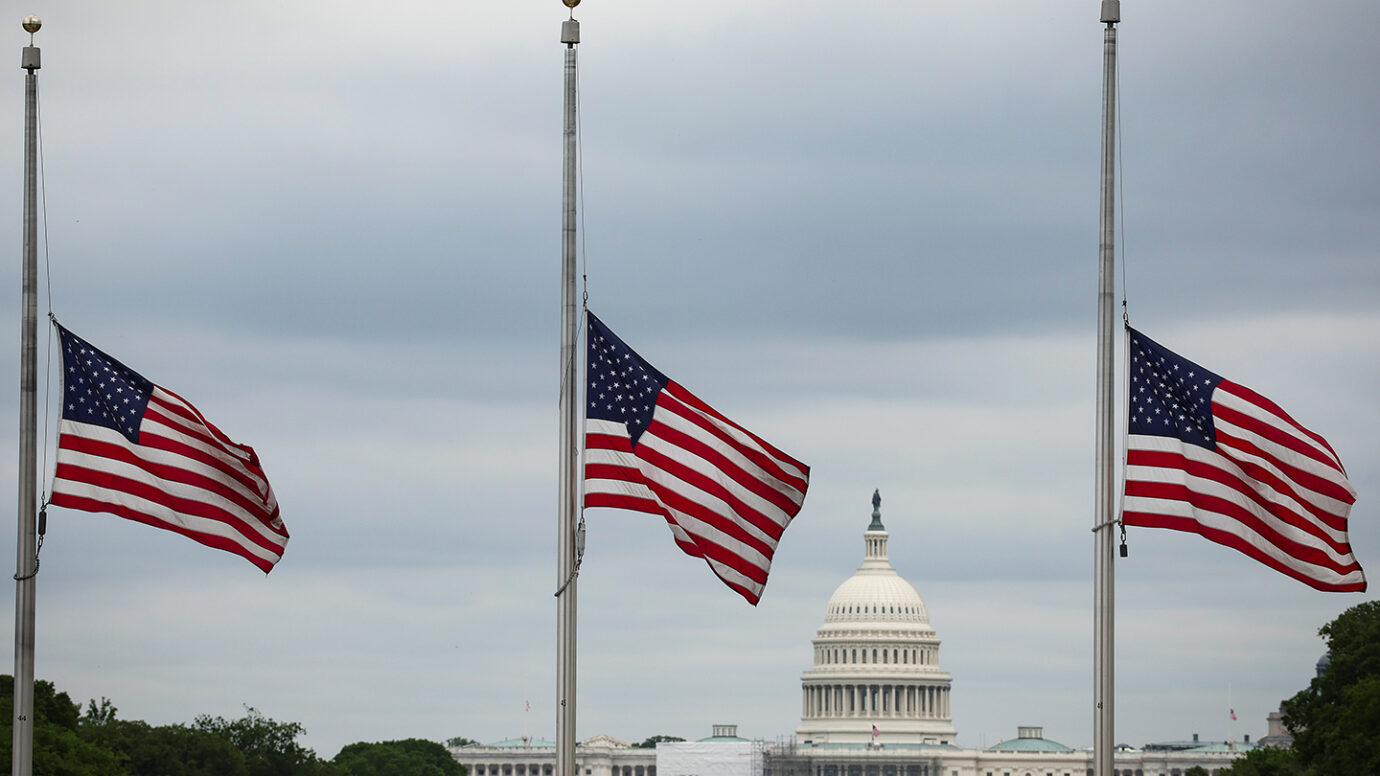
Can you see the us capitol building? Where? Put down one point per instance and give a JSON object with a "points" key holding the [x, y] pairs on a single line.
{"points": [[875, 703]]}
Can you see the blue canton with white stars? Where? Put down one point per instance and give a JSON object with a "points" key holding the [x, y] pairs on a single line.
{"points": [[1170, 395], [622, 387], [99, 390]]}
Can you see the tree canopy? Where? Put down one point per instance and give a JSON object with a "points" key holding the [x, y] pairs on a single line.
{"points": [[1335, 719], [269, 748], [651, 743], [59, 747], [70, 741], [410, 757], [1265, 761]]}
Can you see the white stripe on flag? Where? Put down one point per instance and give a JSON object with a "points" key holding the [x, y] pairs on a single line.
{"points": [[1171, 474]]}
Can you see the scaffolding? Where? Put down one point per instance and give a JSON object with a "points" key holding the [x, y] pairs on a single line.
{"points": [[787, 758]]}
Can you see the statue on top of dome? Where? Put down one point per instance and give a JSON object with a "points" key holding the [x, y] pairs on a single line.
{"points": [[876, 512]]}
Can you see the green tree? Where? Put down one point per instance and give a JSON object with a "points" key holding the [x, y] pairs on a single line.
{"points": [[410, 757], [460, 741], [169, 750], [1334, 720], [70, 742], [654, 740], [1266, 761], [58, 749], [269, 748]]}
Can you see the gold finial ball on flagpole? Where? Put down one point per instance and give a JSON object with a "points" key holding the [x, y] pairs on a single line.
{"points": [[570, 3], [32, 23]]}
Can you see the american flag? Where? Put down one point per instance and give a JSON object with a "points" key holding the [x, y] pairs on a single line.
{"points": [[652, 446], [133, 449], [1215, 458]]}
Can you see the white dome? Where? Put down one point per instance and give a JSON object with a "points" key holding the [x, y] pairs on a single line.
{"points": [[876, 595]]}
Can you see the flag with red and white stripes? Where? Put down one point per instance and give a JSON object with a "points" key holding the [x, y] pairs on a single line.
{"points": [[1215, 458], [133, 449], [652, 446]]}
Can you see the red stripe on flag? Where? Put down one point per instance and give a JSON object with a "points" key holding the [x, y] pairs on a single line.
{"points": [[1295, 484], [1224, 508], [678, 509], [617, 442], [245, 471], [727, 525], [765, 456], [1218, 505], [1188, 524], [610, 471], [186, 506], [764, 523], [1247, 394], [210, 540], [164, 471], [184, 409], [618, 501], [1272, 433]]}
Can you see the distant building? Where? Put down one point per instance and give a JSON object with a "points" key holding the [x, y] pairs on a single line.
{"points": [[722, 754], [596, 756], [876, 678], [1277, 736], [1193, 745], [874, 702]]}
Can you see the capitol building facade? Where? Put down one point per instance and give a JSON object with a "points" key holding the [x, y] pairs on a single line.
{"points": [[875, 702], [876, 676]]}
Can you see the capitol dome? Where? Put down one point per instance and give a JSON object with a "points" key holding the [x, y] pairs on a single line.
{"points": [[876, 597], [876, 676]]}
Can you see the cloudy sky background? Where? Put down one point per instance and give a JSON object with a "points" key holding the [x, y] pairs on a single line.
{"points": [[867, 231]]}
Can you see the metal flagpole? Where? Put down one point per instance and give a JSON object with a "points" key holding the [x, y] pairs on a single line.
{"points": [[568, 531], [1105, 519], [26, 563]]}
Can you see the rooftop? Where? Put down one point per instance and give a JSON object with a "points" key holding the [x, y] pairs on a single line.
{"points": [[1030, 738]]}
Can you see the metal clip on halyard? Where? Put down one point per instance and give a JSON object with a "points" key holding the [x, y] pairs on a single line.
{"points": [[38, 548], [579, 556]]}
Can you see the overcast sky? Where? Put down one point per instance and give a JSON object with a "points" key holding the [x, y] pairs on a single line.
{"points": [[867, 231]]}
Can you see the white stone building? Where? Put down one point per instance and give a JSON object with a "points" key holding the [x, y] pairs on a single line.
{"points": [[595, 756], [876, 676], [722, 754], [875, 702]]}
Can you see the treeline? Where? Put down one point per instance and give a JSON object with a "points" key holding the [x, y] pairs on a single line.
{"points": [[71, 741], [1335, 720]]}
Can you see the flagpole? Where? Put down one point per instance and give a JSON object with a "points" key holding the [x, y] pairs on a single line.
{"points": [[26, 563], [1231, 714], [568, 542], [1105, 518]]}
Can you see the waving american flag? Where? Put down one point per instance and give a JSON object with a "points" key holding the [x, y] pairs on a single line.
{"points": [[133, 449], [652, 446], [1215, 458]]}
